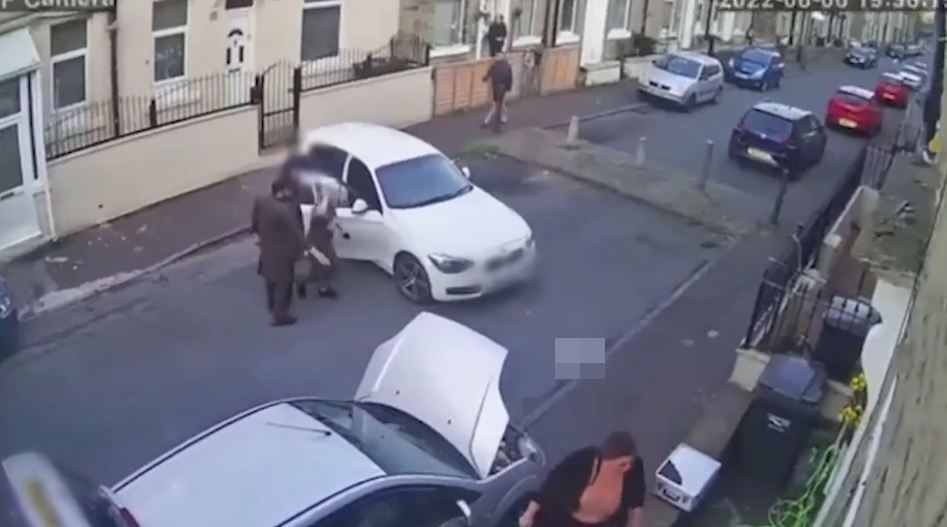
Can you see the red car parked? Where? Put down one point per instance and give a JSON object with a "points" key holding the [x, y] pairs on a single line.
{"points": [[891, 90], [854, 108]]}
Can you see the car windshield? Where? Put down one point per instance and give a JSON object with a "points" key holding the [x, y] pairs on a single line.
{"points": [[397, 442], [679, 65], [421, 181], [758, 56], [766, 123]]}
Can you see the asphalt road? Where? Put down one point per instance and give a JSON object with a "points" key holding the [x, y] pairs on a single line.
{"points": [[166, 358], [678, 139], [111, 383]]}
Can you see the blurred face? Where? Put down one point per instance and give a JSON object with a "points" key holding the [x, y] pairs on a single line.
{"points": [[619, 464]]}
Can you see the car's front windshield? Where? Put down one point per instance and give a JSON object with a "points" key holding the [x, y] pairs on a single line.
{"points": [[679, 65], [757, 56], [397, 442], [421, 181]]}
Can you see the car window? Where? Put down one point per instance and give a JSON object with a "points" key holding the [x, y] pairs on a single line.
{"points": [[421, 181], [849, 98], [401, 507], [326, 159], [397, 442], [359, 180], [710, 71], [679, 65], [758, 56], [766, 123]]}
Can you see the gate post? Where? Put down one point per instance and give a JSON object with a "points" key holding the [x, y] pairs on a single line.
{"points": [[261, 109], [297, 90]]}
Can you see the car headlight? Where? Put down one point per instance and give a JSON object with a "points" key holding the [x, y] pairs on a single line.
{"points": [[450, 264], [758, 74]]}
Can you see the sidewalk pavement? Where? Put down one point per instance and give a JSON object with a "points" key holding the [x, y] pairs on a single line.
{"points": [[115, 252]]}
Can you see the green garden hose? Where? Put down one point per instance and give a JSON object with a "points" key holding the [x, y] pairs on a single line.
{"points": [[801, 511]]}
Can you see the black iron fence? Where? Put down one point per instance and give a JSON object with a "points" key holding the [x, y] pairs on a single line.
{"points": [[803, 250], [276, 90], [403, 52], [102, 121]]}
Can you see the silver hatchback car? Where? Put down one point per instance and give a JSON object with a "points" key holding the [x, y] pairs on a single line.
{"points": [[426, 442]]}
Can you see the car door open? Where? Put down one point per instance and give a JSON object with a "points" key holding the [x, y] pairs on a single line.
{"points": [[362, 233]]}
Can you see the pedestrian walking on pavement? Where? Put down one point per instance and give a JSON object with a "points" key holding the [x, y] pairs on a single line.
{"points": [[281, 242], [500, 76], [322, 258], [601, 486], [496, 36]]}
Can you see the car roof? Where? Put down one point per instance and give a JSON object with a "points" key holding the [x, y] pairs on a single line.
{"points": [[373, 144], [695, 56], [782, 110], [857, 91], [260, 468], [764, 49]]}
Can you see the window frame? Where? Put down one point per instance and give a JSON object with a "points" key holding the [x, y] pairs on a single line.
{"points": [[318, 65], [379, 197], [624, 31], [167, 32], [457, 48], [568, 35], [531, 37], [65, 57]]}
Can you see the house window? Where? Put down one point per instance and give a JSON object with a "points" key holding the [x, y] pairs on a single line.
{"points": [[448, 22], [619, 14], [68, 49], [169, 27], [525, 25], [567, 14], [321, 22], [9, 97]]}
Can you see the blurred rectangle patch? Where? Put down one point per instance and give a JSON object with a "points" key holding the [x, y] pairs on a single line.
{"points": [[580, 358]]}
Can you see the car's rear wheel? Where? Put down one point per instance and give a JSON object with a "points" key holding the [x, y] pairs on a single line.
{"points": [[412, 279]]}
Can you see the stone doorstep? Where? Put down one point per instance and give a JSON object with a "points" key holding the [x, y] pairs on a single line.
{"points": [[656, 185]]}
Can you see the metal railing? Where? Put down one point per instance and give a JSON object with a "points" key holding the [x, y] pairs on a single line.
{"points": [[98, 122], [802, 252], [403, 52]]}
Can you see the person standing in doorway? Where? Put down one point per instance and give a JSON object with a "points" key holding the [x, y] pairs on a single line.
{"points": [[282, 243], [600, 486], [500, 76], [496, 36]]}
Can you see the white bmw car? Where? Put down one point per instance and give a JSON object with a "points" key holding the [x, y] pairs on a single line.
{"points": [[417, 215], [426, 442]]}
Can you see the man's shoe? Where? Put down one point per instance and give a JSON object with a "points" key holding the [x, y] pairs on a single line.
{"points": [[328, 292], [287, 320]]}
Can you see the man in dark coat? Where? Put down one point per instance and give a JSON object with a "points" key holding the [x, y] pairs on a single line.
{"points": [[496, 36], [500, 76], [282, 243], [322, 259]]}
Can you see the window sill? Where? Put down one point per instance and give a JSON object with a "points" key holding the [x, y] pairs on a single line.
{"points": [[529, 40], [449, 51], [567, 37], [618, 34]]}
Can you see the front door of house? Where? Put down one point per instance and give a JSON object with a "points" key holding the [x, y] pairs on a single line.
{"points": [[239, 53], [19, 220]]}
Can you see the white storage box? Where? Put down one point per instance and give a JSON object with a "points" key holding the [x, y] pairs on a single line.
{"points": [[685, 477]]}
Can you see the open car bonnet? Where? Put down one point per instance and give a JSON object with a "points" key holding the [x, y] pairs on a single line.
{"points": [[447, 376]]}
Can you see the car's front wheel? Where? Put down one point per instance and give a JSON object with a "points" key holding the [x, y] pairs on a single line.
{"points": [[717, 95], [690, 103], [412, 279]]}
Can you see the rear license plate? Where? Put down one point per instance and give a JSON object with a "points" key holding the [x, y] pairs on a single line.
{"points": [[759, 155], [847, 123]]}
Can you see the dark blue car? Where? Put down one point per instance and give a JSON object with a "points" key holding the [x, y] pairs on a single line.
{"points": [[9, 325], [758, 68]]}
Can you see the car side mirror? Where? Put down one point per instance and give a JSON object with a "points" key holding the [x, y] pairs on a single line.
{"points": [[359, 207], [466, 171]]}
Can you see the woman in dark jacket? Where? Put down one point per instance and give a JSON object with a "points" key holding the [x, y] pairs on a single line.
{"points": [[592, 487]]}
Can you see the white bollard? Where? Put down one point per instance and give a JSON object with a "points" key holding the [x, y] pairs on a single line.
{"points": [[573, 134], [639, 154]]}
